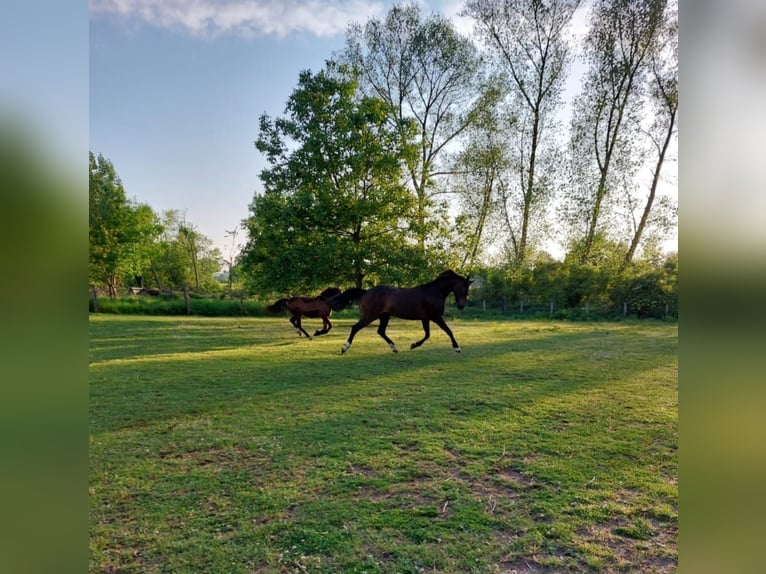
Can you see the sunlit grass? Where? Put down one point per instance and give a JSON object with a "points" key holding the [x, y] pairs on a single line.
{"points": [[232, 445]]}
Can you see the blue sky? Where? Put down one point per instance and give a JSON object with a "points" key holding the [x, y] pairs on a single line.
{"points": [[177, 87]]}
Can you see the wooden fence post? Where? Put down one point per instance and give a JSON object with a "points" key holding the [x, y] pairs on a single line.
{"points": [[94, 297], [187, 300]]}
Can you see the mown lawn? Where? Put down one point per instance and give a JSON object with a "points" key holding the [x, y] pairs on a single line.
{"points": [[231, 446]]}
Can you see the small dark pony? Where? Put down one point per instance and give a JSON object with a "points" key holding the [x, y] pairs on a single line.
{"points": [[312, 307], [424, 303]]}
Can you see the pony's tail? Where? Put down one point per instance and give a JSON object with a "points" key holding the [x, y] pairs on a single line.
{"points": [[277, 306], [346, 298]]}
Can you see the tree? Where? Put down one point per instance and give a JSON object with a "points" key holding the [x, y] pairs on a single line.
{"points": [[231, 259], [119, 232], [531, 53], [479, 177], [425, 71], [182, 257], [663, 96], [619, 45], [334, 207]]}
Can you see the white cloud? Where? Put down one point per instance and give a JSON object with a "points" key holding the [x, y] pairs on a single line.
{"points": [[463, 24], [247, 17]]}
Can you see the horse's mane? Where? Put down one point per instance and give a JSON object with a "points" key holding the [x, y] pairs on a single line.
{"points": [[448, 274], [330, 292]]}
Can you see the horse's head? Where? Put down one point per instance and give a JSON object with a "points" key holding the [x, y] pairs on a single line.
{"points": [[461, 290]]}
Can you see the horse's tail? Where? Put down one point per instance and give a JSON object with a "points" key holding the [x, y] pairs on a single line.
{"points": [[277, 306], [346, 298]]}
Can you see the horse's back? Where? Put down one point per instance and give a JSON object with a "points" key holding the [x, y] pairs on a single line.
{"points": [[311, 307], [401, 302]]}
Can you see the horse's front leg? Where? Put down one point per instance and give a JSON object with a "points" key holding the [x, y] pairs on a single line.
{"points": [[440, 321], [427, 330], [361, 324]]}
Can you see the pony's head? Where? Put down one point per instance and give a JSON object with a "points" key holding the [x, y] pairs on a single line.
{"points": [[330, 292]]}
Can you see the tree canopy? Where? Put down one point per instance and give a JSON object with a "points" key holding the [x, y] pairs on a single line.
{"points": [[334, 207]]}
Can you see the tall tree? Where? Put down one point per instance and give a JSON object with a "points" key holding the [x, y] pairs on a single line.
{"points": [[663, 98], [528, 39], [119, 230], [619, 45], [334, 207], [182, 257], [479, 177], [425, 71]]}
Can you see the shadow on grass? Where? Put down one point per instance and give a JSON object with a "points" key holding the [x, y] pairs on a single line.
{"points": [[200, 377]]}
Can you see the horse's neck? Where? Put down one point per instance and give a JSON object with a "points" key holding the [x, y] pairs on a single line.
{"points": [[445, 287]]}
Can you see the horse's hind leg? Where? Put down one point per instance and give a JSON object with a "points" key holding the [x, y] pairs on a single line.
{"points": [[440, 321], [427, 329], [299, 327], [326, 327], [384, 318]]}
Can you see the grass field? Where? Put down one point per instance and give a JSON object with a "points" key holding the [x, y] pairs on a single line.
{"points": [[231, 446]]}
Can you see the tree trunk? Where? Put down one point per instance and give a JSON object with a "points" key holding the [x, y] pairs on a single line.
{"points": [[187, 301], [652, 193], [94, 297]]}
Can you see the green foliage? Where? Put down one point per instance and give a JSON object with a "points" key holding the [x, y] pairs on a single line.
{"points": [[120, 232], [334, 210], [130, 246], [175, 304], [580, 291]]}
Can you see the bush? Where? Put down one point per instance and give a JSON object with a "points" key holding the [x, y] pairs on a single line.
{"points": [[175, 304]]}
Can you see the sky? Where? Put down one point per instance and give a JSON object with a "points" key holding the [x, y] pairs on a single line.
{"points": [[177, 87]]}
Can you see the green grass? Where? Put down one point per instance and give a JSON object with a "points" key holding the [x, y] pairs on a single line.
{"points": [[231, 445]]}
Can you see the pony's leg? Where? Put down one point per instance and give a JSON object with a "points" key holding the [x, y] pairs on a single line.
{"points": [[361, 324], [440, 321], [295, 324], [384, 318], [300, 328], [427, 329], [326, 327]]}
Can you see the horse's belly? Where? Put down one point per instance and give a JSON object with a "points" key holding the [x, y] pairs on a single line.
{"points": [[407, 314], [313, 314]]}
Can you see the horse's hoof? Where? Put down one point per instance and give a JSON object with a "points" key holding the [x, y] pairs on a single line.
{"points": [[457, 350]]}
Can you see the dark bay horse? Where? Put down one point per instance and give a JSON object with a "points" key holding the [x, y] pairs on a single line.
{"points": [[424, 303], [313, 307]]}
